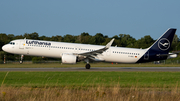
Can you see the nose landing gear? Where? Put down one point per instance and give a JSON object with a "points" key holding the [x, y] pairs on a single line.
{"points": [[21, 61]]}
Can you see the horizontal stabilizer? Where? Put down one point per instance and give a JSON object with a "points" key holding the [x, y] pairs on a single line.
{"points": [[170, 54], [176, 52]]}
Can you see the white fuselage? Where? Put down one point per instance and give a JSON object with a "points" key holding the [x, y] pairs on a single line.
{"points": [[73, 52], [56, 49]]}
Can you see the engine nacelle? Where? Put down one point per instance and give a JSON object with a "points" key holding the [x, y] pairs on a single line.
{"points": [[69, 58]]}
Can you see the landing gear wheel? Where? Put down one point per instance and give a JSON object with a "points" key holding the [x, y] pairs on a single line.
{"points": [[21, 62], [88, 66]]}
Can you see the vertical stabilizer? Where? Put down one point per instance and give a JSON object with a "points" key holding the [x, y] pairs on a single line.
{"points": [[160, 49], [163, 44]]}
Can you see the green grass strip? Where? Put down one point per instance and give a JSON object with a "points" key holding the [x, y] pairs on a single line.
{"points": [[84, 79]]}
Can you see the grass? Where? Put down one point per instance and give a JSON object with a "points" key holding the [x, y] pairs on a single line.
{"points": [[58, 65], [90, 86], [100, 93], [91, 79]]}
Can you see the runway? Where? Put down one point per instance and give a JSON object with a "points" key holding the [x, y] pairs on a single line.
{"points": [[128, 69]]}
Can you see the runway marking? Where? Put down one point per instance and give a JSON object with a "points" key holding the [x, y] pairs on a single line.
{"points": [[4, 78]]}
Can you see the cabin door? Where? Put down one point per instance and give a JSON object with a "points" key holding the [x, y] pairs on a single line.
{"points": [[22, 44]]}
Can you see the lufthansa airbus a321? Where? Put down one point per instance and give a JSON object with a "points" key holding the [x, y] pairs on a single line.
{"points": [[72, 52]]}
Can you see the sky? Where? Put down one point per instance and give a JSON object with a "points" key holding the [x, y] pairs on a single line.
{"points": [[109, 17]]}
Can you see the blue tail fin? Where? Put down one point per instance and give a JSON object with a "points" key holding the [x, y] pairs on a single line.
{"points": [[163, 44], [160, 49]]}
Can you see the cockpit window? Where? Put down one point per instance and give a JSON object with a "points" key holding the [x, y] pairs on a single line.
{"points": [[12, 43]]}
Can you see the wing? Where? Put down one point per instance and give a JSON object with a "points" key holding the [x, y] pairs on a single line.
{"points": [[92, 54]]}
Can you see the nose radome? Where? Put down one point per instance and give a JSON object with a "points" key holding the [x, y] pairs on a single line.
{"points": [[4, 48]]}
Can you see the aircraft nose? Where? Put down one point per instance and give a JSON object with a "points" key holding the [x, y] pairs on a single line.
{"points": [[4, 48]]}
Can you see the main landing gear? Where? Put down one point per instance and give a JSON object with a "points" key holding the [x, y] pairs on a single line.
{"points": [[88, 66], [21, 61]]}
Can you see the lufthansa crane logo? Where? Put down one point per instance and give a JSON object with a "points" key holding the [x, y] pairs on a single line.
{"points": [[164, 44]]}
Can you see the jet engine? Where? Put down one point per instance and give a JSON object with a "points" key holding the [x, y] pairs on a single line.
{"points": [[69, 58]]}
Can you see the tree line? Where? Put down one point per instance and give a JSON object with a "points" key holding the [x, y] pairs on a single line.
{"points": [[121, 40]]}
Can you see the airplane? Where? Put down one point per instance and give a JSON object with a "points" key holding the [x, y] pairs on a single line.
{"points": [[71, 53]]}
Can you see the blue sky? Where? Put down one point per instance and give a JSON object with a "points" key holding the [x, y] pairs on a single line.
{"points": [[109, 17]]}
